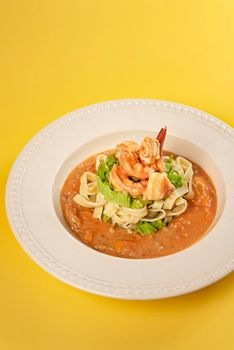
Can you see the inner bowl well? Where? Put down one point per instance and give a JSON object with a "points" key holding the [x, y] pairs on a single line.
{"points": [[174, 144]]}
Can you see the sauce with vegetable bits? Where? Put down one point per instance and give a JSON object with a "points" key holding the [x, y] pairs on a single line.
{"points": [[182, 232]]}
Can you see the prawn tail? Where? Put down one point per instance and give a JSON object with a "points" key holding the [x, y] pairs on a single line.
{"points": [[161, 138]]}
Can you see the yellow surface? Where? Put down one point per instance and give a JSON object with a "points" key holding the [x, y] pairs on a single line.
{"points": [[60, 55]]}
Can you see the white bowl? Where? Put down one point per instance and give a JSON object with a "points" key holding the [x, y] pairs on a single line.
{"points": [[32, 198]]}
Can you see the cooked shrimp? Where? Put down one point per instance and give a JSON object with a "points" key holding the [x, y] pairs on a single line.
{"points": [[149, 151], [132, 166], [127, 146], [121, 182], [158, 187], [141, 161]]}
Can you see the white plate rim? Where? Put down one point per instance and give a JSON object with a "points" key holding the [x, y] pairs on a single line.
{"points": [[84, 282]]}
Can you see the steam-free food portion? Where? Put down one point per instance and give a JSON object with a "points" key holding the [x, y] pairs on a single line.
{"points": [[136, 201]]}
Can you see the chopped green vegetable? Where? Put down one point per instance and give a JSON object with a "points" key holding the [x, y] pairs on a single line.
{"points": [[105, 218], [168, 163], [121, 198], [146, 228], [110, 161], [138, 203], [168, 166], [159, 224], [105, 167], [103, 172], [175, 178]]}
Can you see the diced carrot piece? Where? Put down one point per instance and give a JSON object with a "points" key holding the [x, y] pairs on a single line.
{"points": [[88, 236], [118, 245]]}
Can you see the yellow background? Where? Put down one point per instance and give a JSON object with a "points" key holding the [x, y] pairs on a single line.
{"points": [[60, 55]]}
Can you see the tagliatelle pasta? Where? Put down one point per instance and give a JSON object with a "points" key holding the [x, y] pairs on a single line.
{"points": [[100, 158], [172, 206]]}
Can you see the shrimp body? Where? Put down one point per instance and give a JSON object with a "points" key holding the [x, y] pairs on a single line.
{"points": [[121, 182], [158, 187], [132, 166], [127, 146], [149, 151]]}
